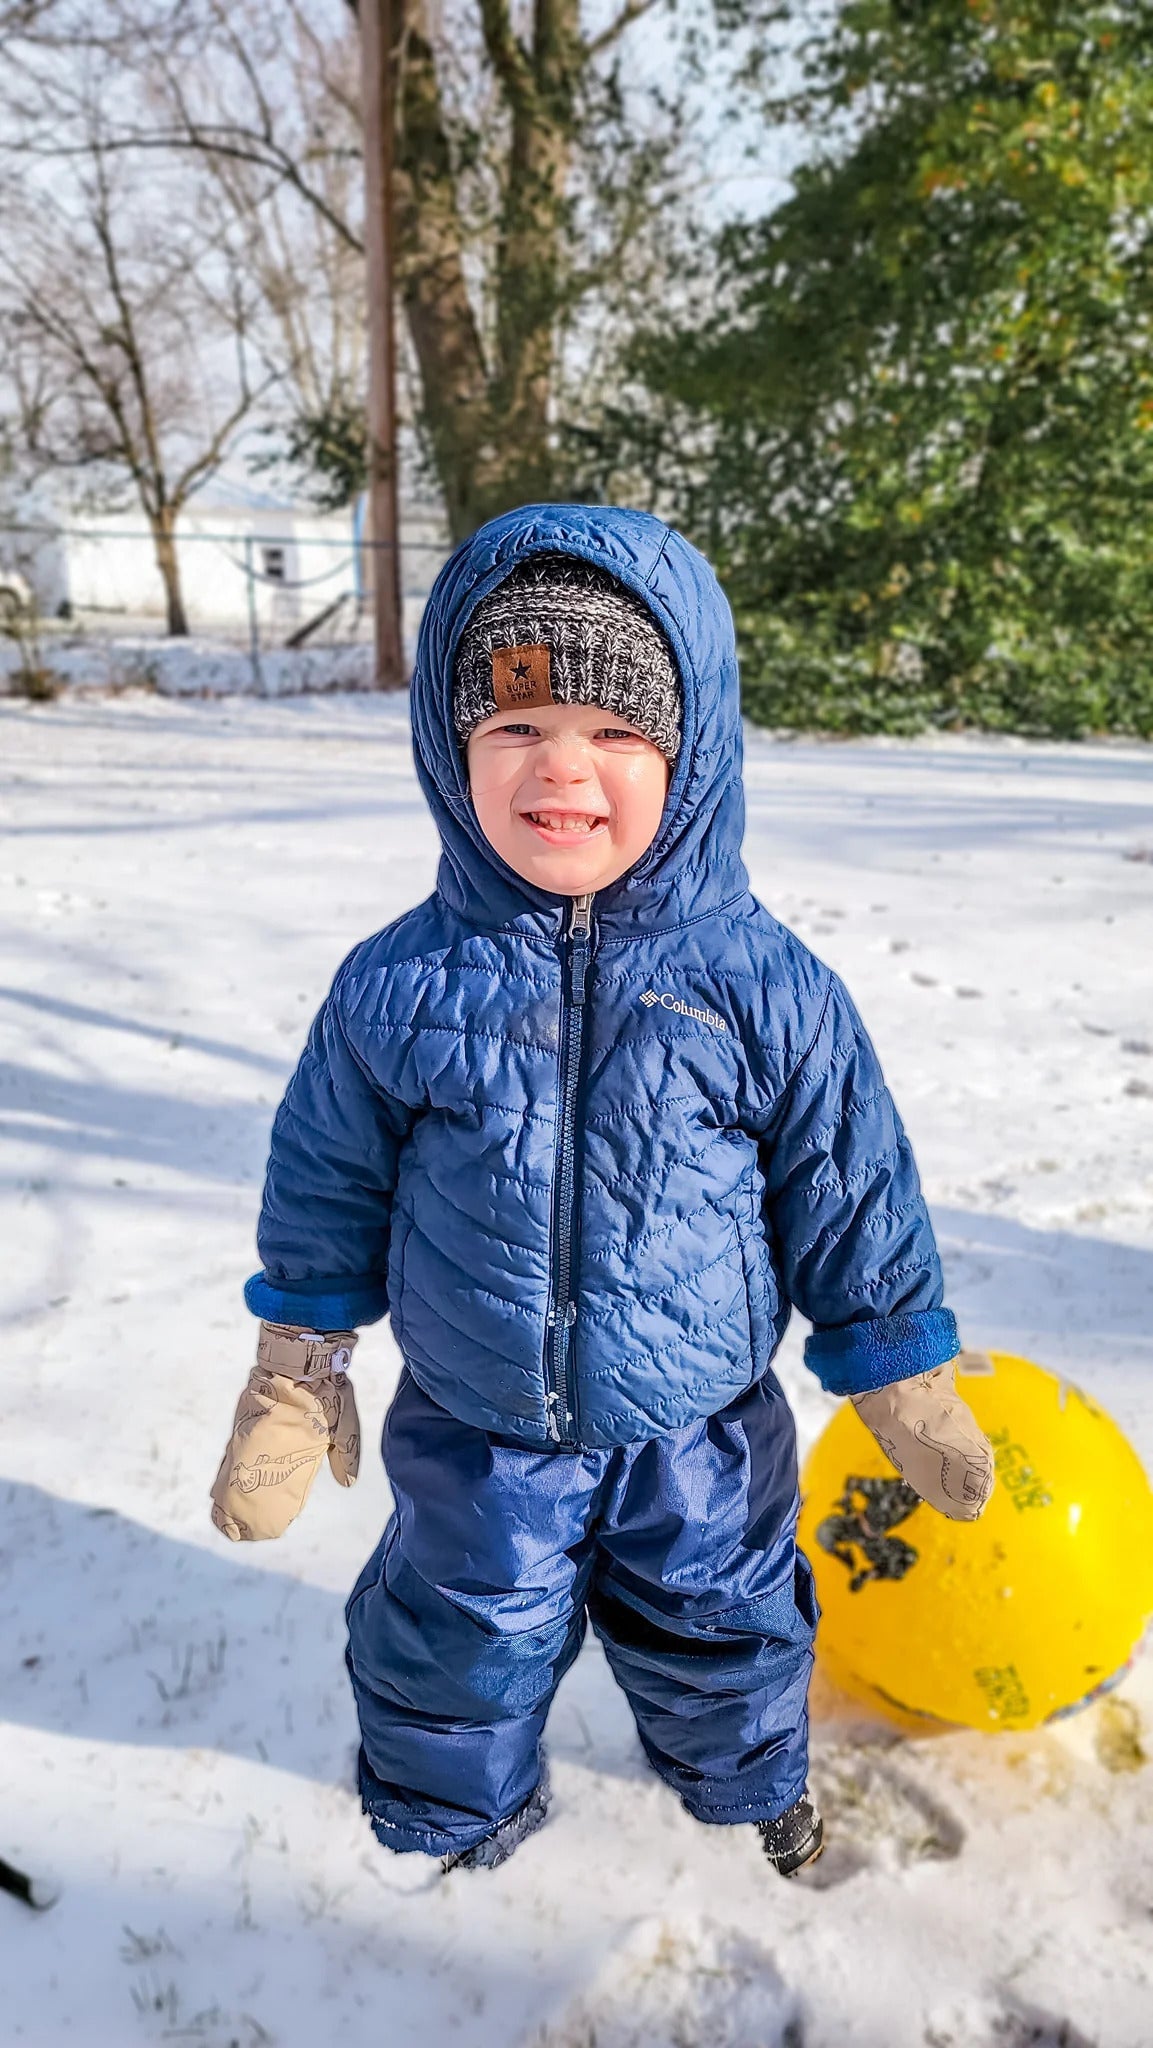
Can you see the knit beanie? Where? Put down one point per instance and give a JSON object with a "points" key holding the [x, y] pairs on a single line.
{"points": [[562, 631]]}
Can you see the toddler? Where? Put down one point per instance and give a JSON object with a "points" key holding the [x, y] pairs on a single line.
{"points": [[586, 1124]]}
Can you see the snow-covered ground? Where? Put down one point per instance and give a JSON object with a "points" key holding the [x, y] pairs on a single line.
{"points": [[178, 882], [184, 667]]}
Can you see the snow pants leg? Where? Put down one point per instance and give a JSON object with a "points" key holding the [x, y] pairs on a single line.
{"points": [[681, 1550]]}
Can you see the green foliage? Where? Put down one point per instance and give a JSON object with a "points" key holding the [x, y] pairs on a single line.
{"points": [[923, 415], [326, 452]]}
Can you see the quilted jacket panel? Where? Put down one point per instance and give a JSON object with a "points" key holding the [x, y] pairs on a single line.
{"points": [[735, 1148]]}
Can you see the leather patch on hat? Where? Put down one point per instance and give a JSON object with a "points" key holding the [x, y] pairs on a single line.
{"points": [[520, 677]]}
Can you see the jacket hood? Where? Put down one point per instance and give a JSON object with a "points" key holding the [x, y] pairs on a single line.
{"points": [[694, 863]]}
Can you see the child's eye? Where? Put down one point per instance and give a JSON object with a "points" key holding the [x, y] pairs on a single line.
{"points": [[520, 730], [619, 732]]}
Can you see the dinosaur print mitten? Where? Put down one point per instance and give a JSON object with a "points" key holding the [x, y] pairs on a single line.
{"points": [[929, 1433], [297, 1408]]}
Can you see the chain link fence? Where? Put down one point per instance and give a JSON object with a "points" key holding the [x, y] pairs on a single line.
{"points": [[276, 607]]}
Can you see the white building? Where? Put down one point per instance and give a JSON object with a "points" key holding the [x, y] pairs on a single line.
{"points": [[247, 559]]}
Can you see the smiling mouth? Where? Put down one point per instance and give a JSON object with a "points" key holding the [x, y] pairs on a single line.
{"points": [[575, 824]]}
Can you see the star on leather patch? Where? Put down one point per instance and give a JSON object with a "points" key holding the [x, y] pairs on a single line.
{"points": [[520, 677]]}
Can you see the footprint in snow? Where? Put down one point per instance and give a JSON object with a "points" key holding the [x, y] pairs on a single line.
{"points": [[1007, 2022], [875, 1818], [1118, 1739], [681, 1980]]}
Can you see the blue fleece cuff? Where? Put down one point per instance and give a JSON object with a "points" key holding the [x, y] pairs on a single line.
{"points": [[862, 1356], [340, 1304]]}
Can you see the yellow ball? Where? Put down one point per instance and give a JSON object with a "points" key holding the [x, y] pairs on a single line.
{"points": [[1002, 1623]]}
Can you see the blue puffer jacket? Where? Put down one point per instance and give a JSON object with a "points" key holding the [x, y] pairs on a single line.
{"points": [[589, 1177]]}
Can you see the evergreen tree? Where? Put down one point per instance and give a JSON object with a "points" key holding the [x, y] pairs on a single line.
{"points": [[922, 419]]}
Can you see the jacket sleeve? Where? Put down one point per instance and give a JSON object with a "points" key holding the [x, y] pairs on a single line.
{"points": [[324, 1224], [844, 1207]]}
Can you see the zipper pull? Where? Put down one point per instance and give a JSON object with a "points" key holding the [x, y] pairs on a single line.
{"points": [[580, 932]]}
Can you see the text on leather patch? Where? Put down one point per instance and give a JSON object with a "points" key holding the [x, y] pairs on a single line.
{"points": [[520, 677]]}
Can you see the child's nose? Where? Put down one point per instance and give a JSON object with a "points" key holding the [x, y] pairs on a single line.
{"points": [[564, 758]]}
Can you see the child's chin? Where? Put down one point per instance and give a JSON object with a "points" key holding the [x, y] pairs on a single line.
{"points": [[571, 874]]}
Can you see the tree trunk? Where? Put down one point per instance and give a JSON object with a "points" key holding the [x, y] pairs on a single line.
{"points": [[488, 426], [378, 25], [529, 254], [163, 524], [438, 310]]}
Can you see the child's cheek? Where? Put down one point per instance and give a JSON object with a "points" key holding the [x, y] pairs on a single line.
{"points": [[640, 798]]}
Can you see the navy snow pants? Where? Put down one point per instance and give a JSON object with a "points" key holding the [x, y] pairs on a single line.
{"points": [[681, 1552]]}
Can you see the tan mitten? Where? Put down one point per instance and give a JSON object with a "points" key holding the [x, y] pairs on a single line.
{"points": [[931, 1436], [297, 1408]]}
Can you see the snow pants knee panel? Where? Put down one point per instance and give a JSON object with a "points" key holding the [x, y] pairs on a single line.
{"points": [[473, 1607]]}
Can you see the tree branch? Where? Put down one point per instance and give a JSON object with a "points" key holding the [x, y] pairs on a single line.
{"points": [[630, 12], [240, 144], [204, 464], [506, 53]]}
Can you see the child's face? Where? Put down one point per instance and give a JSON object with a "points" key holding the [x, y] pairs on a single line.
{"points": [[568, 794]]}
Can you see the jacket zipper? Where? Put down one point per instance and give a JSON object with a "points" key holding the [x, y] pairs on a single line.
{"points": [[559, 1407]]}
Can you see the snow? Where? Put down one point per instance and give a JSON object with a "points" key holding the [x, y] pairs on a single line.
{"points": [[189, 667], [179, 881]]}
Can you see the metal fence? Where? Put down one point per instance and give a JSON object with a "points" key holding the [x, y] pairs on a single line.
{"points": [[282, 588]]}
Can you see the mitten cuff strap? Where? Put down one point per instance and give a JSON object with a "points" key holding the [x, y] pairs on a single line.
{"points": [[302, 1354]]}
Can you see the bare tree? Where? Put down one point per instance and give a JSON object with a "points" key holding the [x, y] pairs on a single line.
{"points": [[529, 183], [126, 313], [295, 204], [23, 17], [532, 186]]}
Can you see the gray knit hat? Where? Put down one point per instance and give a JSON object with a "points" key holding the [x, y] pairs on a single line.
{"points": [[562, 631]]}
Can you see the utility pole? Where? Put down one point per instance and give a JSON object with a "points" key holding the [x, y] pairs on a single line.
{"points": [[378, 41]]}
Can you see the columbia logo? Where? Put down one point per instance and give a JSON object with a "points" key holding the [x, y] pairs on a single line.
{"points": [[683, 1009]]}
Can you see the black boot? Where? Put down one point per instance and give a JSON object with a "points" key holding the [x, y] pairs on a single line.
{"points": [[793, 1840], [496, 1848]]}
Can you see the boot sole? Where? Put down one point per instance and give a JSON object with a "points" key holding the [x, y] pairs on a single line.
{"points": [[804, 1857]]}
